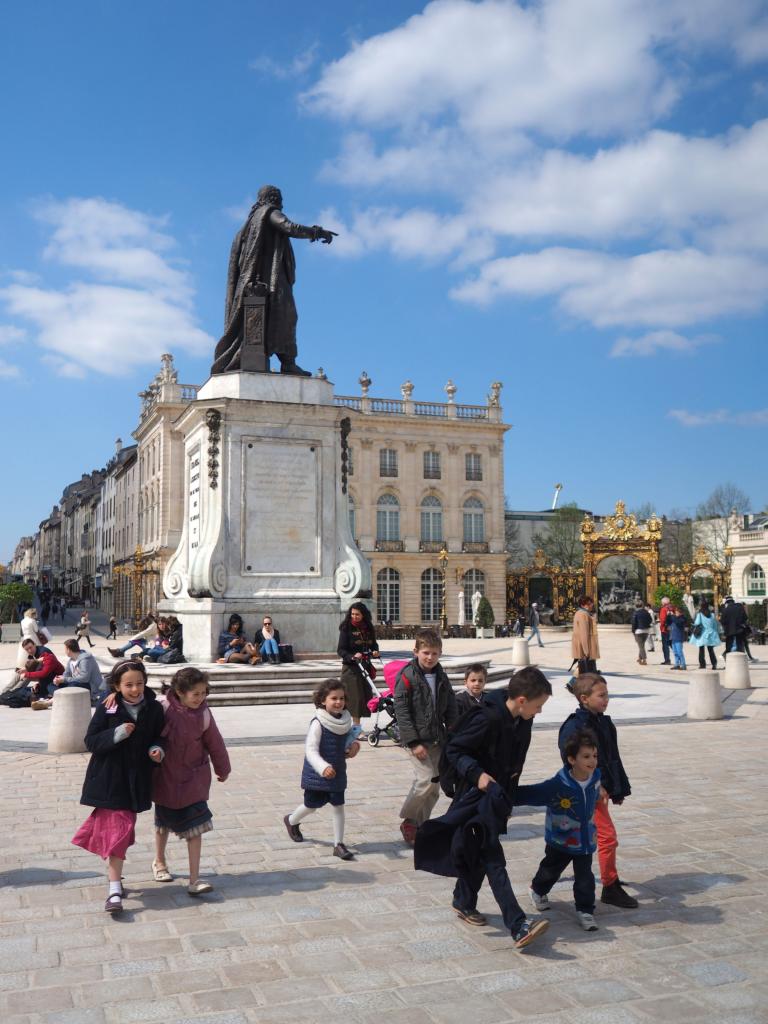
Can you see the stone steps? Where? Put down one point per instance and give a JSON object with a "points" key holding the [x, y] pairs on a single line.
{"points": [[233, 685]]}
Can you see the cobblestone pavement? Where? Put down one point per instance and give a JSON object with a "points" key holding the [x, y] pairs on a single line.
{"points": [[290, 934]]}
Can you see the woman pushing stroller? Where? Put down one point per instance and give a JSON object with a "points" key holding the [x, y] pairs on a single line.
{"points": [[357, 644]]}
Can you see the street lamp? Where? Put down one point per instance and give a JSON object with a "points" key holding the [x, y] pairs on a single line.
{"points": [[443, 557]]}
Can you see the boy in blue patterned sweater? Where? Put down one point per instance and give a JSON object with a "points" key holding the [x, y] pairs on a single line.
{"points": [[570, 798]]}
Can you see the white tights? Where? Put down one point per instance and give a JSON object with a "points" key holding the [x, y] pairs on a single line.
{"points": [[303, 812]]}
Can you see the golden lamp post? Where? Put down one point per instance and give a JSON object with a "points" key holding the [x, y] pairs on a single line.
{"points": [[443, 557]]}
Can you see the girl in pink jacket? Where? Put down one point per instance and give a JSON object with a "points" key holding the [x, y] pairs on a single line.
{"points": [[181, 786]]}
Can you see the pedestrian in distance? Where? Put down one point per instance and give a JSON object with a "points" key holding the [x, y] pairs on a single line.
{"points": [[650, 644], [591, 692], [584, 646], [570, 798], [484, 756], [125, 742], [666, 643], [112, 634], [641, 625], [677, 625], [705, 634], [83, 628], [182, 784], [425, 709], [734, 622], [357, 645], [331, 741], [534, 620]]}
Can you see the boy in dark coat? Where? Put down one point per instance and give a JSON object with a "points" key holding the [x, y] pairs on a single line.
{"points": [[486, 754], [591, 691], [425, 708]]}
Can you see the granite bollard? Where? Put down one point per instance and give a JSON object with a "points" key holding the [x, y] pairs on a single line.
{"points": [[704, 696], [737, 672], [70, 718], [520, 652]]}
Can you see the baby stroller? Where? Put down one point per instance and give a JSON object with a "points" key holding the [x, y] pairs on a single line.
{"points": [[383, 702]]}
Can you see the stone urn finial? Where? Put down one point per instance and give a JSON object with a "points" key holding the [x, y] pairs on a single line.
{"points": [[493, 398], [365, 383], [450, 390], [406, 390], [321, 374]]}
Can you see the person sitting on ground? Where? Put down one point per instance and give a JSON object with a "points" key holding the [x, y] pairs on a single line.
{"points": [[41, 678], [475, 678], [81, 670], [147, 632], [268, 641], [170, 650], [233, 647]]}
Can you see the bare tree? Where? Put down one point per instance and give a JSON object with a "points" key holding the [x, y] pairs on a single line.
{"points": [[561, 543], [715, 510], [644, 511], [515, 549], [676, 538]]}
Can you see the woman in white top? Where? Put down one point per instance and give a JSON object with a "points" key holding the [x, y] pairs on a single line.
{"points": [[84, 628], [30, 630]]}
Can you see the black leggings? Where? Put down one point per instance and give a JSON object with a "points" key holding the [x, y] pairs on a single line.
{"points": [[712, 657]]}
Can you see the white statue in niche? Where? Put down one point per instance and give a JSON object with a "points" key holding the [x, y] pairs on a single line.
{"points": [[461, 616], [476, 598]]}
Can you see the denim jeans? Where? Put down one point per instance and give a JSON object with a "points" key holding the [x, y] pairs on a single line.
{"points": [[142, 644], [552, 866], [535, 632], [677, 647], [269, 647]]}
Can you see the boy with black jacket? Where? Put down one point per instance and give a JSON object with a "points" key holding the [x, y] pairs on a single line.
{"points": [[591, 691], [487, 754], [425, 708]]}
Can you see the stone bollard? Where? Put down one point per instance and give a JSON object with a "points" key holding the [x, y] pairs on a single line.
{"points": [[70, 718], [520, 652], [704, 696], [737, 672]]}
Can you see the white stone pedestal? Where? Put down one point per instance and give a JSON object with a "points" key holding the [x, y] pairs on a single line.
{"points": [[704, 697], [70, 718], [521, 654], [266, 525], [737, 672]]}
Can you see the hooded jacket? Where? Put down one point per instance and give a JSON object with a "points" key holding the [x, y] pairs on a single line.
{"points": [[570, 809]]}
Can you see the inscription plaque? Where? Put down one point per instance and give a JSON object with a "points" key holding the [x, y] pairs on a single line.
{"points": [[281, 513], [193, 526]]}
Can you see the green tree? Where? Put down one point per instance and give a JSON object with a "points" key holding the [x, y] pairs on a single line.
{"points": [[485, 616], [561, 543], [11, 595], [673, 592]]}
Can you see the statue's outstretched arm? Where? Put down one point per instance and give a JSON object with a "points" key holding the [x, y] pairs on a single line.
{"points": [[282, 223]]}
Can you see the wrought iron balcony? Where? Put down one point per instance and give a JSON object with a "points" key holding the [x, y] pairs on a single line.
{"points": [[389, 545], [431, 545], [475, 547]]}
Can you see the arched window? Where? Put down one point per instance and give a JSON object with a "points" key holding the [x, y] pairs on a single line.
{"points": [[352, 515], [431, 595], [474, 580], [474, 520], [755, 581], [388, 595], [388, 518], [431, 519]]}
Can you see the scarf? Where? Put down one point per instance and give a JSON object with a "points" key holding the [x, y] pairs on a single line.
{"points": [[340, 725]]}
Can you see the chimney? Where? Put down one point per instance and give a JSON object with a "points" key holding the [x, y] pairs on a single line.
{"points": [[118, 445]]}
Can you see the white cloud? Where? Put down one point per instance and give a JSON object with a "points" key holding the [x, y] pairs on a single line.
{"points": [[7, 370], [661, 288], [294, 68], [554, 67], [720, 417], [412, 234], [138, 306], [653, 342], [11, 335]]}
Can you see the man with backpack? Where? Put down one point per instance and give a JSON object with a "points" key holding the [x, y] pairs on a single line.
{"points": [[483, 758]]}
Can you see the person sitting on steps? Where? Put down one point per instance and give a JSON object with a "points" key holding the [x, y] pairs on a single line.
{"points": [[268, 641], [233, 647]]}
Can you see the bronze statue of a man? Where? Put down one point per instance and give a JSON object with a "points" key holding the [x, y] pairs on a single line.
{"points": [[262, 257]]}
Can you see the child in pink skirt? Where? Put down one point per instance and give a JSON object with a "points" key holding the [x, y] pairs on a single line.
{"points": [[181, 787], [125, 745]]}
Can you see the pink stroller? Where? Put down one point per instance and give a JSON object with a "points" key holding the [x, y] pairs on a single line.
{"points": [[383, 703]]}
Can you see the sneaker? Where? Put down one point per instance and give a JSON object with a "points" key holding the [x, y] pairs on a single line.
{"points": [[408, 831], [342, 852], [471, 917], [539, 902], [586, 921], [528, 931], [616, 896], [41, 705], [293, 830]]}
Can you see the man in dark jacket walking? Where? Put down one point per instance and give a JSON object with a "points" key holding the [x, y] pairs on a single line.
{"points": [[425, 708], [734, 621]]}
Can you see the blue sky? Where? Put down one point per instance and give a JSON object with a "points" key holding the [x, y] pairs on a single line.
{"points": [[568, 197]]}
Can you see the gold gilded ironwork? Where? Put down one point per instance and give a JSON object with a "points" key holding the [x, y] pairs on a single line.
{"points": [[567, 586], [621, 534]]}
